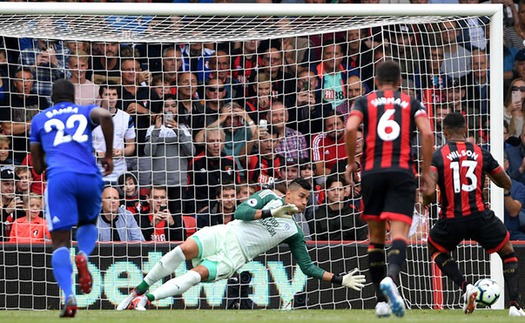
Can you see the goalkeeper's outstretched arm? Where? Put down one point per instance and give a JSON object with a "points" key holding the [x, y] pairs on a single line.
{"points": [[302, 258], [252, 209]]}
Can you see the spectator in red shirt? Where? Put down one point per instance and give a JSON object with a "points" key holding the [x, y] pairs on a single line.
{"points": [[221, 211], [23, 183], [38, 184], [328, 147], [208, 170], [31, 228], [12, 206], [265, 167], [160, 224], [132, 196]]}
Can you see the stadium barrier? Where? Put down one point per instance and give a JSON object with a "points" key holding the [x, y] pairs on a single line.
{"points": [[26, 278]]}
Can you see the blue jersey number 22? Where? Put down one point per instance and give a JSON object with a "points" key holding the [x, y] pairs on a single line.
{"points": [[76, 120]]}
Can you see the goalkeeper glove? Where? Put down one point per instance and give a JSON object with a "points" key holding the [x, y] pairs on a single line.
{"points": [[350, 280], [285, 211]]}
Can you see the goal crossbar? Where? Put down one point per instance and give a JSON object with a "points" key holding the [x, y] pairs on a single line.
{"points": [[229, 22]]}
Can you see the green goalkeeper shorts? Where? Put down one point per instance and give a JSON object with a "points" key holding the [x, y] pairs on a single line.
{"points": [[219, 252]]}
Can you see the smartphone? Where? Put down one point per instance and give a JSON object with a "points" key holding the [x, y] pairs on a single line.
{"points": [[516, 96], [163, 207], [263, 125], [168, 116]]}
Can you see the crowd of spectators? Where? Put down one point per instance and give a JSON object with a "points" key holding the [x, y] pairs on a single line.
{"points": [[201, 126]]}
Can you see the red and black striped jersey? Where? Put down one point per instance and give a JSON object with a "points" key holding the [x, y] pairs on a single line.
{"points": [[389, 126], [264, 171], [206, 175], [461, 167]]}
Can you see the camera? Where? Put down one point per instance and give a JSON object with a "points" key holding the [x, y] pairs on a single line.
{"points": [[245, 277], [163, 207], [237, 295], [300, 300]]}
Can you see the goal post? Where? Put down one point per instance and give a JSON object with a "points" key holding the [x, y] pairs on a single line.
{"points": [[147, 30]]}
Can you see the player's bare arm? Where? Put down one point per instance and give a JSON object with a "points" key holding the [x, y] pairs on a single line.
{"points": [[105, 120], [427, 147], [429, 194], [352, 125], [501, 179], [37, 157]]}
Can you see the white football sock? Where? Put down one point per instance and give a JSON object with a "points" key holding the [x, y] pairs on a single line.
{"points": [[166, 266], [178, 285]]}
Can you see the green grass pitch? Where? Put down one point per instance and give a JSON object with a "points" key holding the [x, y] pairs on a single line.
{"points": [[273, 316]]}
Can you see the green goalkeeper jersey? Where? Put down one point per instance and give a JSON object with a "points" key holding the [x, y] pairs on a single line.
{"points": [[258, 236]]}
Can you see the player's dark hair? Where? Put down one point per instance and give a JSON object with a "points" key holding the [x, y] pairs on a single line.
{"points": [[168, 48], [335, 113], [243, 183], [109, 86], [454, 121], [273, 131], [63, 91], [226, 186], [280, 186], [304, 163], [158, 187], [388, 72], [301, 182], [334, 178], [184, 73], [169, 96], [22, 70]]}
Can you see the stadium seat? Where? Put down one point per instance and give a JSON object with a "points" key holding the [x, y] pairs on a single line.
{"points": [[190, 223]]}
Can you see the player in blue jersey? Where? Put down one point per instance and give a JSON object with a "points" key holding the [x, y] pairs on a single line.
{"points": [[61, 143]]}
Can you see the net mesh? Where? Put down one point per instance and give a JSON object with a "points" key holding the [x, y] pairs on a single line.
{"points": [[152, 29], [312, 65]]}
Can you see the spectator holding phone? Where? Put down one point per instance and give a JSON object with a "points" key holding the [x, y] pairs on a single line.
{"points": [[170, 145], [258, 102], [309, 110], [513, 106], [241, 132], [160, 224], [12, 206]]}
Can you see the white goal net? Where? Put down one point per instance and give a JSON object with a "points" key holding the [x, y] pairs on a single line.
{"points": [[221, 101]]}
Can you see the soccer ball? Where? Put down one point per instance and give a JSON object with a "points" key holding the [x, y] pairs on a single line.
{"points": [[489, 291]]}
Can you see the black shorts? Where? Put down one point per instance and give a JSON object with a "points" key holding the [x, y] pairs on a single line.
{"points": [[484, 228], [388, 196]]}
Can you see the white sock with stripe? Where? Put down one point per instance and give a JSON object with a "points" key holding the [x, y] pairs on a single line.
{"points": [[178, 285], [166, 266]]}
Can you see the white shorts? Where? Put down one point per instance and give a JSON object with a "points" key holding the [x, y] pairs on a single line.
{"points": [[219, 252]]}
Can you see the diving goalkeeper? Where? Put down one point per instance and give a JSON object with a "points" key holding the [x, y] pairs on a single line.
{"points": [[261, 222]]}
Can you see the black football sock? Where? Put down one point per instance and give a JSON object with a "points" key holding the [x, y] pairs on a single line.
{"points": [[510, 273], [450, 268], [376, 263], [396, 258]]}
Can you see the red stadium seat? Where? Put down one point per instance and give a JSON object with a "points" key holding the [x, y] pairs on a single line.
{"points": [[190, 224]]}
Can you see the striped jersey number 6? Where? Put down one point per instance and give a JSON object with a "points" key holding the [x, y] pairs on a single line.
{"points": [[471, 166], [388, 129], [78, 120]]}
